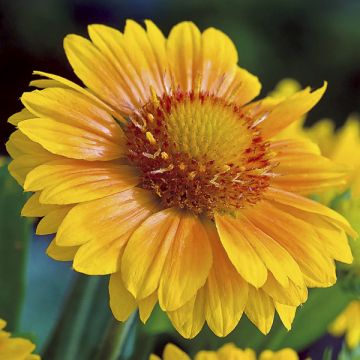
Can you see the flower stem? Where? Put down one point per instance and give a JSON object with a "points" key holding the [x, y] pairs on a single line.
{"points": [[118, 339], [67, 337]]}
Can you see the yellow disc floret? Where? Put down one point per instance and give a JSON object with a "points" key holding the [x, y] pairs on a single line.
{"points": [[198, 152]]}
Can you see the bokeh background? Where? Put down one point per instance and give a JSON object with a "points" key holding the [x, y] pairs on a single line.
{"points": [[310, 41]]}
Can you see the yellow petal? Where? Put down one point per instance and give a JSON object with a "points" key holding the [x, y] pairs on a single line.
{"points": [[332, 238], [300, 240], [189, 319], [303, 170], [289, 110], [95, 70], [218, 61], [122, 303], [154, 236], [50, 223], [184, 54], [69, 84], [187, 265], [24, 114], [33, 207], [146, 306], [283, 354], [239, 250], [243, 87], [70, 181], [310, 206], [73, 108], [103, 227], [70, 141], [286, 314], [225, 300], [278, 261], [291, 295], [172, 352], [61, 253], [260, 309]]}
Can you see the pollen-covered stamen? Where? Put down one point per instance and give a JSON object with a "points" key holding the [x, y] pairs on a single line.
{"points": [[198, 152]]}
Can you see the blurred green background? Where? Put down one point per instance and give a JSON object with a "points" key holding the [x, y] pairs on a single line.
{"points": [[310, 41]]}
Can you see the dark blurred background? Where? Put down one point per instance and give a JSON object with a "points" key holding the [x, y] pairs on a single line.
{"points": [[311, 41]]}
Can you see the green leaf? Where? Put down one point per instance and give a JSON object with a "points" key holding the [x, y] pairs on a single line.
{"points": [[312, 319], [14, 236]]}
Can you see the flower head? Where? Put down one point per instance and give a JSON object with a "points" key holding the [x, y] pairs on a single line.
{"points": [[161, 173], [228, 351], [348, 324], [15, 348]]}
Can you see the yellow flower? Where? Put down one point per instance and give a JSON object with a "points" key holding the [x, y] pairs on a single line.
{"points": [[341, 146], [348, 323], [161, 173], [15, 348], [226, 352]]}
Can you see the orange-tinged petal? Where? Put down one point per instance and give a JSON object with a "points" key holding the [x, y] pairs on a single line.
{"points": [[187, 265], [260, 309], [61, 253], [316, 265], [278, 261], [189, 319], [154, 237], [332, 238], [310, 206], [70, 181], [289, 110], [103, 227], [301, 169], [122, 303], [243, 256], [70, 141], [225, 299]]}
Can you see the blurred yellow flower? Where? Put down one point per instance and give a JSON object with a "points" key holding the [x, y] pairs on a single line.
{"points": [[161, 173], [226, 352], [15, 348], [348, 323]]}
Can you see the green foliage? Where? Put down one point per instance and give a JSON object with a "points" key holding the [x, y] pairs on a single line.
{"points": [[14, 234]]}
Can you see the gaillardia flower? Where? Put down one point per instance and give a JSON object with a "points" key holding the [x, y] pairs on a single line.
{"points": [[15, 348], [226, 352], [162, 173]]}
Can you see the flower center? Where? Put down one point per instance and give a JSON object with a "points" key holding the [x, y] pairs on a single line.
{"points": [[198, 152]]}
